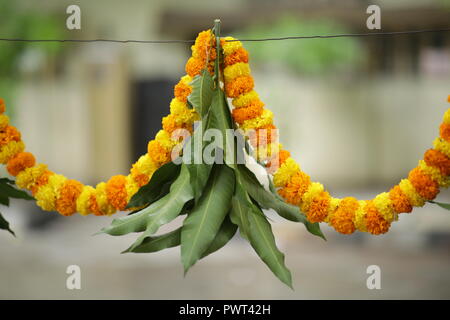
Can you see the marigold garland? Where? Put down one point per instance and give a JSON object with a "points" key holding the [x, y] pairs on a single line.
{"points": [[54, 192], [346, 215]]}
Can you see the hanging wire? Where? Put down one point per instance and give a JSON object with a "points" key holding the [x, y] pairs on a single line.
{"points": [[344, 35]]}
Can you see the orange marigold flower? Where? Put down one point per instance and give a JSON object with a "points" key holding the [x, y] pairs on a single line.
{"points": [[444, 131], [437, 159], [94, 207], [203, 46], [342, 220], [116, 192], [9, 134], [66, 204], [318, 209], [182, 91], [41, 181], [448, 98], [264, 135], [158, 153], [239, 85], [399, 200], [240, 55], [375, 223], [295, 188], [252, 111], [423, 183], [194, 66], [20, 162], [140, 178], [277, 160], [2, 106]]}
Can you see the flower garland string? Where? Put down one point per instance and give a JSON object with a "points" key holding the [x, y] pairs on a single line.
{"points": [[54, 192], [295, 186]]}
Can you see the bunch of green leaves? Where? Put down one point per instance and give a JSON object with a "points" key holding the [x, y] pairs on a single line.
{"points": [[7, 192], [217, 199]]}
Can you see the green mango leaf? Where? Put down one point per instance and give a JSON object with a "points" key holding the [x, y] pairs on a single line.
{"points": [[165, 209], [225, 234], [158, 243], [4, 200], [153, 189], [8, 190], [239, 209], [269, 200], [180, 193], [4, 225], [202, 92], [442, 204], [199, 172], [203, 223], [220, 113], [263, 241]]}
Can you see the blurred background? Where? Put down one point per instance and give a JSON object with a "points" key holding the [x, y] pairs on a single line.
{"points": [[357, 113]]}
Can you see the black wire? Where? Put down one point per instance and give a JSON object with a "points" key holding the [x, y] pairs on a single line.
{"points": [[345, 35], [96, 40], [369, 34]]}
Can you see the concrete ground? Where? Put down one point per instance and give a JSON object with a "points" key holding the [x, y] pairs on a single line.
{"points": [[33, 265]]}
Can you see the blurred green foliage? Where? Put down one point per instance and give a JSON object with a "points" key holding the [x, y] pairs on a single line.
{"points": [[19, 21], [307, 56]]}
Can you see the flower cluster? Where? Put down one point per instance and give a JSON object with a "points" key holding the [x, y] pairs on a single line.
{"points": [[54, 192], [295, 186]]}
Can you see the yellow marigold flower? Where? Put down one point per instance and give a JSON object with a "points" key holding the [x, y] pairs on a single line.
{"points": [[229, 47], [236, 70], [435, 174], [10, 150], [384, 206], [285, 172], [47, 195], [165, 140], [408, 189], [334, 203], [360, 217], [131, 186], [263, 153], [143, 169], [27, 178], [186, 79], [245, 99], [101, 197], [314, 190], [178, 107], [446, 118], [264, 120], [442, 146], [83, 200], [4, 121]]}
